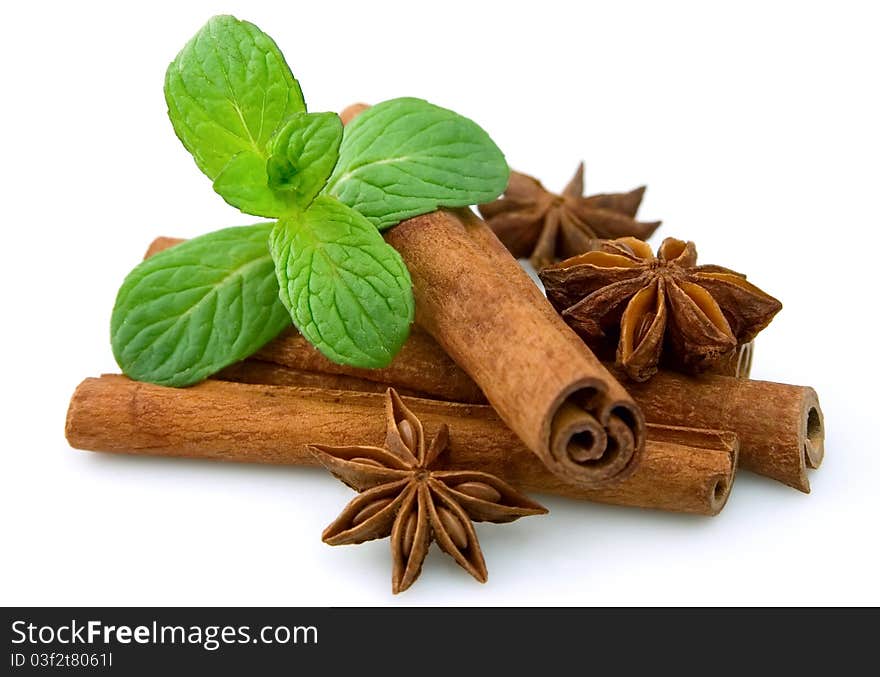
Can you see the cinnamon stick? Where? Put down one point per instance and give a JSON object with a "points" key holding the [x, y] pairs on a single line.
{"points": [[481, 307], [780, 427], [683, 470], [421, 362], [258, 371]]}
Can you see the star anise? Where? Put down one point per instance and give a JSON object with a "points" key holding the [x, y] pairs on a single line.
{"points": [[649, 304], [531, 221], [402, 495]]}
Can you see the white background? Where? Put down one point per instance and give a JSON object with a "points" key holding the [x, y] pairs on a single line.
{"points": [[755, 128]]}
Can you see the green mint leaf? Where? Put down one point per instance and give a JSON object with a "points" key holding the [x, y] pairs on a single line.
{"points": [[304, 153], [347, 290], [228, 91], [406, 157], [191, 310], [244, 183]]}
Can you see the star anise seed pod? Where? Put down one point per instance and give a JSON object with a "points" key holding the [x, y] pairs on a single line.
{"points": [[531, 221], [402, 495], [651, 304]]}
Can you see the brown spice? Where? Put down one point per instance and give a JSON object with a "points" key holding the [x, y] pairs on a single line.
{"points": [[683, 470], [531, 221], [694, 315], [254, 370], [352, 111], [403, 495], [489, 317], [419, 360], [780, 427]]}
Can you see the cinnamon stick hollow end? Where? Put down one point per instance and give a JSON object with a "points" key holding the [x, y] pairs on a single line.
{"points": [[802, 449], [813, 430], [594, 438], [706, 479]]}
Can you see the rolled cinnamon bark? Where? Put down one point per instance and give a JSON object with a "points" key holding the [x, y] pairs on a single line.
{"points": [[542, 380], [268, 373], [780, 427], [352, 111], [260, 372], [420, 361], [683, 470], [162, 243]]}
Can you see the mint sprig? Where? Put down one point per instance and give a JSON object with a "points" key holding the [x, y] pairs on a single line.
{"points": [[228, 92], [196, 308]]}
